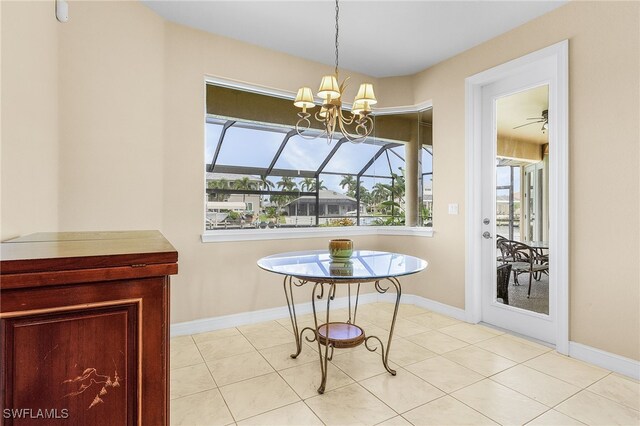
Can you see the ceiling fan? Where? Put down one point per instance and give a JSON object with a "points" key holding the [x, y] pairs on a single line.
{"points": [[544, 120]]}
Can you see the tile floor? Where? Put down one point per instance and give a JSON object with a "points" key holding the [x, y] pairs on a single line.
{"points": [[449, 373]]}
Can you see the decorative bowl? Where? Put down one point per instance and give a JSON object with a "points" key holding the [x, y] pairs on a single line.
{"points": [[340, 249], [341, 268]]}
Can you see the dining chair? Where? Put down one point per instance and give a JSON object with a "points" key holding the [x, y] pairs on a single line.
{"points": [[502, 282], [522, 258]]}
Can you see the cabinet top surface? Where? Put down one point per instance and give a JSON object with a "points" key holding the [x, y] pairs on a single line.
{"points": [[47, 251]]}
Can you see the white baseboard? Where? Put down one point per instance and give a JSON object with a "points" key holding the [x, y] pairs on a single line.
{"points": [[422, 302], [227, 321], [252, 317], [613, 362], [610, 361]]}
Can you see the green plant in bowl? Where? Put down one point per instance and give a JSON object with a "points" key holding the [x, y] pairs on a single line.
{"points": [[340, 249]]}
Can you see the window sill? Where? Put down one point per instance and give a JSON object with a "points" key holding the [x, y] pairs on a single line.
{"points": [[287, 234]]}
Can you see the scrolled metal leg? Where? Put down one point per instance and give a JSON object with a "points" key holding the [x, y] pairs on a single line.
{"points": [[382, 349], [288, 292], [385, 350], [328, 347], [398, 287], [355, 308]]}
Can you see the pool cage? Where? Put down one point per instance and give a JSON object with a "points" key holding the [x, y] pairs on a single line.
{"points": [[286, 180], [261, 173]]}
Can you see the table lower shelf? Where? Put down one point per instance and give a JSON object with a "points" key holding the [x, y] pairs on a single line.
{"points": [[341, 335]]}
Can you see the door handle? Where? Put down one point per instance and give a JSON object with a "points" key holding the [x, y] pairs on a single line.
{"points": [[486, 234]]}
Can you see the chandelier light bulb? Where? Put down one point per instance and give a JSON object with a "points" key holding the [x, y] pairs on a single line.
{"points": [[329, 88], [304, 99], [365, 93]]}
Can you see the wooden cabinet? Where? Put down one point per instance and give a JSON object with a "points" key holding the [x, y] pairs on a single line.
{"points": [[84, 323]]}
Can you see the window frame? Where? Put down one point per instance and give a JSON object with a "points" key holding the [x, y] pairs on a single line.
{"points": [[266, 234]]}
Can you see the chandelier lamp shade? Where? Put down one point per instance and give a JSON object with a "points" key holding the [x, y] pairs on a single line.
{"points": [[331, 116]]}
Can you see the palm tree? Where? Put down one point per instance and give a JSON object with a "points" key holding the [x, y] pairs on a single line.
{"points": [[219, 184], [321, 186], [243, 184], [307, 184], [380, 193], [287, 184], [365, 196], [349, 182], [266, 183]]}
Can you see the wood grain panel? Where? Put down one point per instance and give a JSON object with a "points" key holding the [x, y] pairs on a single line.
{"points": [[82, 361], [77, 308]]}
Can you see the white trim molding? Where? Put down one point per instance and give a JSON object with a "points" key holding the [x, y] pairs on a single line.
{"points": [[235, 320], [608, 360], [284, 94], [252, 317], [600, 358], [294, 233], [558, 55]]}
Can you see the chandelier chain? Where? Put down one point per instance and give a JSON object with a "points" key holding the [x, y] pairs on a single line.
{"points": [[337, 31]]}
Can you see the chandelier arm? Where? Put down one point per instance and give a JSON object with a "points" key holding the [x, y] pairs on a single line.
{"points": [[303, 125], [345, 120], [362, 131]]}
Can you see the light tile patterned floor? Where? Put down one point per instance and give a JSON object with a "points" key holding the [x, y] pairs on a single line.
{"points": [[449, 373]]}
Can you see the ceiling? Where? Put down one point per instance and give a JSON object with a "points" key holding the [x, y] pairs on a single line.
{"points": [[377, 38], [514, 110]]}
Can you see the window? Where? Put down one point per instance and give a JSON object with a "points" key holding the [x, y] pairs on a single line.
{"points": [[508, 174], [261, 174]]}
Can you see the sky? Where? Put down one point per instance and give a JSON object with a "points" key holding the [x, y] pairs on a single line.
{"points": [[256, 148]]}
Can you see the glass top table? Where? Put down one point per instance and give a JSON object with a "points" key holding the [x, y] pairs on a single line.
{"points": [[324, 275], [363, 266]]}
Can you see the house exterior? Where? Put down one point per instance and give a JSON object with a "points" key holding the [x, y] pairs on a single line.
{"points": [[331, 203], [251, 201]]}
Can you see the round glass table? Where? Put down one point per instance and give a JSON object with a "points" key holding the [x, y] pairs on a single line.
{"points": [[325, 274]]}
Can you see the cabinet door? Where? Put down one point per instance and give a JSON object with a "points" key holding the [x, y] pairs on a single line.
{"points": [[75, 367]]}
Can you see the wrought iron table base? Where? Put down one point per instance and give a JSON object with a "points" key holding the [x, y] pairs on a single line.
{"points": [[326, 339]]}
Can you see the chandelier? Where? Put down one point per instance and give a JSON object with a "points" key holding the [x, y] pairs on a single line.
{"points": [[331, 116]]}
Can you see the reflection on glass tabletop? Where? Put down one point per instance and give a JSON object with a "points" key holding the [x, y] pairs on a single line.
{"points": [[363, 264]]}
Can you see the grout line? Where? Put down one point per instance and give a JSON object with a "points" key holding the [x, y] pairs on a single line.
{"points": [[378, 398], [422, 405], [274, 409], [558, 378], [604, 396], [531, 398], [477, 411], [539, 415], [282, 378], [404, 370], [214, 380], [192, 394]]}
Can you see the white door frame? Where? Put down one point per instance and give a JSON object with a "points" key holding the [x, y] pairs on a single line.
{"points": [[558, 183]]}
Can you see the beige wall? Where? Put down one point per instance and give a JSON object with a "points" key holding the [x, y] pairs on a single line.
{"points": [[111, 63], [129, 90], [604, 70], [29, 135]]}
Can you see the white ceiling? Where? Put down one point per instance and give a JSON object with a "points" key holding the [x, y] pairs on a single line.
{"points": [[377, 38], [522, 108]]}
